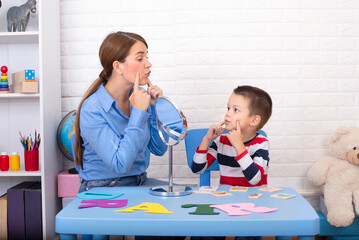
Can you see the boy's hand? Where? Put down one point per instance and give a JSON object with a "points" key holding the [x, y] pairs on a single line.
{"points": [[236, 139], [139, 98], [215, 130]]}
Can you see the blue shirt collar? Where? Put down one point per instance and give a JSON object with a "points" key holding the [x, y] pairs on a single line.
{"points": [[104, 97]]}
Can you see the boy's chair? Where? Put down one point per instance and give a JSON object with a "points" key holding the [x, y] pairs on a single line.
{"points": [[192, 141]]}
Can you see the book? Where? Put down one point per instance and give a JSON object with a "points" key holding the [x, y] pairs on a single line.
{"points": [[16, 210], [33, 212], [3, 217]]}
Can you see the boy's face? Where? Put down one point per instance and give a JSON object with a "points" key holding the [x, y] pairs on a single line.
{"points": [[237, 110]]}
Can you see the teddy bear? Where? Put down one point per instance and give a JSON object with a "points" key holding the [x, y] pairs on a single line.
{"points": [[338, 175]]}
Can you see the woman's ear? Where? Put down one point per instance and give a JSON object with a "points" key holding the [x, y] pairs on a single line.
{"points": [[256, 119], [117, 67]]}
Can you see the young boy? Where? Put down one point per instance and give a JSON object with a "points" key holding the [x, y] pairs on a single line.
{"points": [[242, 153]]}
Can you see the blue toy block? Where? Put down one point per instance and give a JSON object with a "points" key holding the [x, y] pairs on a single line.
{"points": [[29, 74]]}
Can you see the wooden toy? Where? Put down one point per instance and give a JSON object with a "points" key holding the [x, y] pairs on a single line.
{"points": [[4, 69], [4, 85], [24, 81]]}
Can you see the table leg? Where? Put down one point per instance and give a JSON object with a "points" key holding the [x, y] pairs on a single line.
{"points": [[68, 237], [306, 237], [283, 238], [94, 237], [100, 237]]}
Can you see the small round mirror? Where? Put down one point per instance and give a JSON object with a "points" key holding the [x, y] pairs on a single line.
{"points": [[172, 128], [171, 123]]}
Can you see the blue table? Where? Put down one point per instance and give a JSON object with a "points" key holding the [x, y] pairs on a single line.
{"points": [[294, 217]]}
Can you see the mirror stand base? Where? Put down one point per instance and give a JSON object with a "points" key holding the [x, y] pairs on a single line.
{"points": [[163, 191]]}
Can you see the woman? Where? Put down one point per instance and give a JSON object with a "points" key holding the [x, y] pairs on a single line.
{"points": [[115, 121]]}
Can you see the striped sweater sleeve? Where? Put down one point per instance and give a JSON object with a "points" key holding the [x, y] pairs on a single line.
{"points": [[203, 159], [255, 166]]}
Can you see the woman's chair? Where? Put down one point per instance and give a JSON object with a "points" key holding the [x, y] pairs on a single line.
{"points": [[192, 141]]}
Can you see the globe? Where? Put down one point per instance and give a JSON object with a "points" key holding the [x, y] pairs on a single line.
{"points": [[65, 130]]}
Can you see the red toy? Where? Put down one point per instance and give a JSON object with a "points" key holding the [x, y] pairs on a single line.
{"points": [[4, 69], [4, 85]]}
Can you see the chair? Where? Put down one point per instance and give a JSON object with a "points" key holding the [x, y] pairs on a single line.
{"points": [[192, 141]]}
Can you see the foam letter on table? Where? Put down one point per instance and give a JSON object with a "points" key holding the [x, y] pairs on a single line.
{"points": [[147, 207], [97, 195], [236, 209], [231, 210], [104, 203], [202, 209], [251, 207]]}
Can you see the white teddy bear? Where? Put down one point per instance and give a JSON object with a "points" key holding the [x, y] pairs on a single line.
{"points": [[339, 175]]}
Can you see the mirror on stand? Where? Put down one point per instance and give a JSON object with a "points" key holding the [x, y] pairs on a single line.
{"points": [[172, 128]]}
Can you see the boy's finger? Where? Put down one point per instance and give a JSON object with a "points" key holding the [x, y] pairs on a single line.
{"points": [[137, 82], [221, 123], [238, 126]]}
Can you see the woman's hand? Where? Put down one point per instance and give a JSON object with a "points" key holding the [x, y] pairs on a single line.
{"points": [[139, 98], [154, 91]]}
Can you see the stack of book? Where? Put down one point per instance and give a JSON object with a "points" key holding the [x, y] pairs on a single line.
{"points": [[20, 212]]}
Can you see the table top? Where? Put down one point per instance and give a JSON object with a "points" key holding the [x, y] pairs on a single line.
{"points": [[293, 217]]}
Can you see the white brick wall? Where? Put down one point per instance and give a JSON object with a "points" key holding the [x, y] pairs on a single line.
{"points": [[303, 52]]}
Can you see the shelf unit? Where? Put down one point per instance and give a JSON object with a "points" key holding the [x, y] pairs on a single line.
{"points": [[40, 50], [19, 37], [19, 95]]}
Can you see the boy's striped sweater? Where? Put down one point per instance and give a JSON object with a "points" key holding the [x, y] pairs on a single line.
{"points": [[247, 169]]}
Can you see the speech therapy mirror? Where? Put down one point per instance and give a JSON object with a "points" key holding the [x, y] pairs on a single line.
{"points": [[172, 128]]}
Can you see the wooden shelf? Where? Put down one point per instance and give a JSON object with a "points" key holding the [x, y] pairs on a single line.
{"points": [[19, 95], [19, 37], [38, 48], [21, 173]]}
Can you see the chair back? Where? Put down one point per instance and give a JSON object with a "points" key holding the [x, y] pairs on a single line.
{"points": [[192, 141]]}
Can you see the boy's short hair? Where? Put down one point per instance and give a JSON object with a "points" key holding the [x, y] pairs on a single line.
{"points": [[260, 103]]}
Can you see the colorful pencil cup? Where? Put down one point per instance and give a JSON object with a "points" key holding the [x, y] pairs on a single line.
{"points": [[31, 160]]}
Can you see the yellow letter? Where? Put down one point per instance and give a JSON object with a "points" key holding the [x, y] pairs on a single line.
{"points": [[147, 207]]}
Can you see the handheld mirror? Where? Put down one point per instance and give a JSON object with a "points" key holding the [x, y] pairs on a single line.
{"points": [[172, 128]]}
